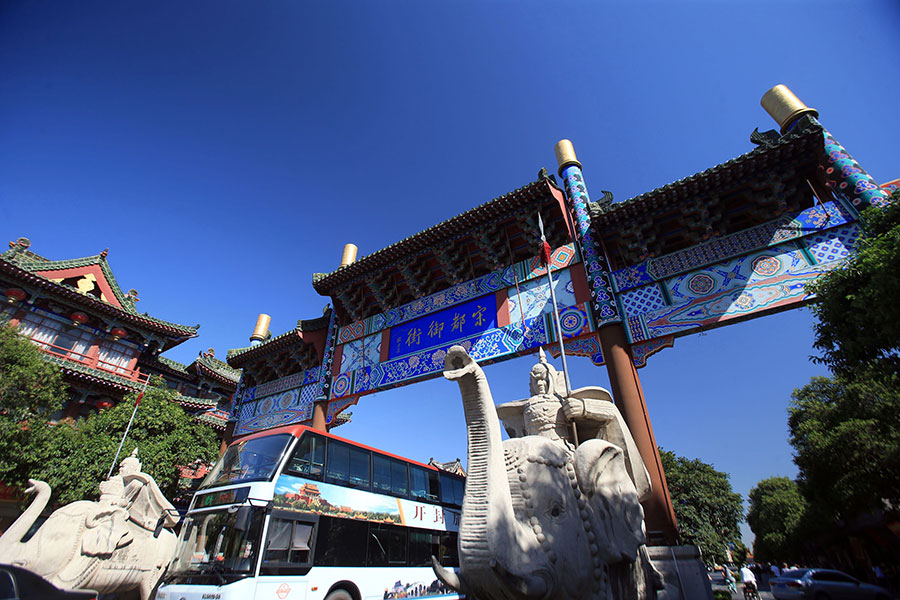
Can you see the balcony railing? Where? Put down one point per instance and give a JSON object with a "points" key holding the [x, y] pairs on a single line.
{"points": [[92, 361]]}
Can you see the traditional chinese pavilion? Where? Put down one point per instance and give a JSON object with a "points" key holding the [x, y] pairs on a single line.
{"points": [[76, 313], [737, 241]]}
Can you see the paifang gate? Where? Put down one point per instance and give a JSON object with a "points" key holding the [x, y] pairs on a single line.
{"points": [[737, 241]]}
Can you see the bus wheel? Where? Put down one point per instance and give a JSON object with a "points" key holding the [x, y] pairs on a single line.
{"points": [[339, 595]]}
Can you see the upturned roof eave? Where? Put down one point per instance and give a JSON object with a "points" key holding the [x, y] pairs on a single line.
{"points": [[89, 303], [237, 357], [223, 377]]}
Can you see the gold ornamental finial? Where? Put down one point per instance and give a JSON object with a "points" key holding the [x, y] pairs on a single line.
{"points": [[783, 106], [261, 329], [349, 256], [565, 155]]}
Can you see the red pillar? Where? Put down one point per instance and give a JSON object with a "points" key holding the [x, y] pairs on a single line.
{"points": [[659, 515], [320, 410]]}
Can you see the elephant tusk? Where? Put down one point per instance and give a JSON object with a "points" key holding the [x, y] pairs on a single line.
{"points": [[535, 587], [447, 576]]}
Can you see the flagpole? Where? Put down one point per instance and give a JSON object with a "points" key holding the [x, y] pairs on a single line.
{"points": [[137, 403], [545, 254]]}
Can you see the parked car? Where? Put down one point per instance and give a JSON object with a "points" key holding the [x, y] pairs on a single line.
{"points": [[17, 583], [823, 584]]}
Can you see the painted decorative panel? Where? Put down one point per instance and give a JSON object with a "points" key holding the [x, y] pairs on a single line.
{"points": [[738, 271], [771, 278], [533, 297], [359, 352], [804, 223], [283, 408]]}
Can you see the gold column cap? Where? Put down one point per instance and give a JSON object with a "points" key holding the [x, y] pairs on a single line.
{"points": [[565, 155], [262, 327], [349, 255], [783, 106]]}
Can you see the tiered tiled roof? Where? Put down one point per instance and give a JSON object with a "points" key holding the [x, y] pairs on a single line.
{"points": [[241, 356], [210, 366], [754, 164], [23, 265], [215, 417], [745, 191], [476, 242]]}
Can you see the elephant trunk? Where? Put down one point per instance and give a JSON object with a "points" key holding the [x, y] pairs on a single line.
{"points": [[12, 537], [489, 531]]}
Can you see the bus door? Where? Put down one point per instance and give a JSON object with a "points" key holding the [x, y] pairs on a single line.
{"points": [[287, 555]]}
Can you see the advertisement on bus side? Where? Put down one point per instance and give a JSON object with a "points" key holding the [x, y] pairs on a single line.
{"points": [[305, 495]]}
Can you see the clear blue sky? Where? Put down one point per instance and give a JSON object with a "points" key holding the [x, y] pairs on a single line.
{"points": [[225, 151]]}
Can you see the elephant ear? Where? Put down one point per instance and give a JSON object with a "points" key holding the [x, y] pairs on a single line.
{"points": [[603, 478]]}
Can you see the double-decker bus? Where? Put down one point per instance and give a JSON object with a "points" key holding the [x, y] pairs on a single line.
{"points": [[297, 514]]}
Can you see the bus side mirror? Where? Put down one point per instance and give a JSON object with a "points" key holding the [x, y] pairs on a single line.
{"points": [[242, 518]]}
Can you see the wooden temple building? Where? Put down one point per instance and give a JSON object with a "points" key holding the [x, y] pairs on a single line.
{"points": [[737, 241], [82, 321]]}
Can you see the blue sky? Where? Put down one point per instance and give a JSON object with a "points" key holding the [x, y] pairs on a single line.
{"points": [[226, 151]]}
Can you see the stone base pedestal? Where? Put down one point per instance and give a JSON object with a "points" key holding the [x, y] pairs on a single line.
{"points": [[685, 574]]}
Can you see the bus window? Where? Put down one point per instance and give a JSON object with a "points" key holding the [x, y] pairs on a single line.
{"points": [[451, 490], [337, 467], [399, 480], [459, 491], [309, 457], [360, 473], [448, 556], [381, 482], [422, 546], [289, 541], [341, 543], [390, 476], [249, 460], [423, 484], [387, 546]]}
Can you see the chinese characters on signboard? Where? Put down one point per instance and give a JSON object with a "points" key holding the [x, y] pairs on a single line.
{"points": [[445, 326]]}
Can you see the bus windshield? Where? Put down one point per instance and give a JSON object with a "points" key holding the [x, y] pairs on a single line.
{"points": [[250, 460], [219, 544]]}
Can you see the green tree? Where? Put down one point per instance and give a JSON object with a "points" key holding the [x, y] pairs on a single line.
{"points": [[776, 512], [846, 437], [707, 509], [80, 453], [858, 326], [31, 390]]}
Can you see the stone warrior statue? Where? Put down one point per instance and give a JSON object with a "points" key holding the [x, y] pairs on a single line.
{"points": [[122, 542], [549, 413], [543, 517]]}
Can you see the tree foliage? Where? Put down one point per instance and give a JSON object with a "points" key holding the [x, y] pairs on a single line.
{"points": [[707, 509], [846, 437], [81, 453], [777, 509], [31, 389], [75, 456], [858, 314]]}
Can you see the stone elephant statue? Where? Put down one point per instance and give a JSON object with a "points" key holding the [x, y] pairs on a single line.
{"points": [[541, 518], [121, 543]]}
